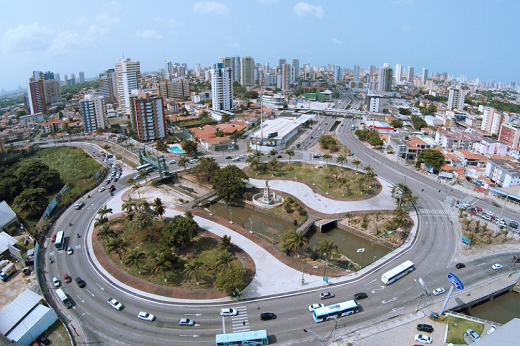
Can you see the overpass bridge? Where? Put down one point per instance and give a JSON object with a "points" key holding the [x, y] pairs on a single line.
{"points": [[158, 162]]}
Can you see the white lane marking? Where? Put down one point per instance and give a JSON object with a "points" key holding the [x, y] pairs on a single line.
{"points": [[389, 300], [369, 282], [92, 294], [396, 309], [100, 287], [481, 264], [223, 325], [80, 299], [293, 318], [377, 289]]}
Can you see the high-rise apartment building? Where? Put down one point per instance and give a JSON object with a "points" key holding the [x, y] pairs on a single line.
{"points": [[36, 96], [107, 85], [295, 70], [398, 74], [94, 112], [424, 76], [338, 74], [128, 74], [147, 114], [384, 82], [356, 73], [409, 76], [510, 134], [177, 88], [491, 120], [82, 77], [285, 77], [168, 68], [456, 98], [281, 62], [247, 71], [221, 88]]}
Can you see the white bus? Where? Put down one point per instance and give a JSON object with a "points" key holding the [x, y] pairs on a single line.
{"points": [[60, 239], [397, 273], [143, 167], [331, 312], [63, 297]]}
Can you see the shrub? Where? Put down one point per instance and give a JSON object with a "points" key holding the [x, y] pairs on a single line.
{"points": [[302, 211], [288, 208], [289, 200]]}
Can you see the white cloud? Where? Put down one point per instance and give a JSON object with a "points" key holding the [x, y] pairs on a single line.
{"points": [[26, 39], [149, 34], [210, 6], [106, 18], [336, 41], [233, 45], [94, 30], [302, 9], [406, 27], [168, 22]]}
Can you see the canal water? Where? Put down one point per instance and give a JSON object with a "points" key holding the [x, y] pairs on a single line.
{"points": [[501, 309], [271, 227]]}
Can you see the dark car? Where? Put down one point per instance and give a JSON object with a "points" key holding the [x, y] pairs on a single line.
{"points": [[361, 295], [460, 265], [279, 156], [265, 316], [80, 282], [425, 328], [228, 157], [513, 224]]}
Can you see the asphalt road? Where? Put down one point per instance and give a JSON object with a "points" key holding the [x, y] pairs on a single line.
{"points": [[432, 252]]}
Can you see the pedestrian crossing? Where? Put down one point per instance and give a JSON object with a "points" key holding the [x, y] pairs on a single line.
{"points": [[434, 212], [240, 322]]}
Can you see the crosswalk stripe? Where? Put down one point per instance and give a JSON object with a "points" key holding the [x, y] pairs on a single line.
{"points": [[434, 211]]}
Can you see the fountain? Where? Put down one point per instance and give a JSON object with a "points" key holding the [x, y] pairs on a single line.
{"points": [[266, 199]]}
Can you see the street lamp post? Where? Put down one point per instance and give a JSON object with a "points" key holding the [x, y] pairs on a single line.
{"points": [[230, 216], [319, 337], [251, 221]]}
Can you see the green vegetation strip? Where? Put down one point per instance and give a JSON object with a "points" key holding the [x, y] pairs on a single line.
{"points": [[458, 326]]}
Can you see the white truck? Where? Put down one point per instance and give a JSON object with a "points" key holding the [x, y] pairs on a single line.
{"points": [[4, 263], [7, 271]]}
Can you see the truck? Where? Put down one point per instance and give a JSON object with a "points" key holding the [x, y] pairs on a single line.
{"points": [[7, 271], [4, 263]]}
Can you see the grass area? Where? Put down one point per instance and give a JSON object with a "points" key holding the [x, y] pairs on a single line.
{"points": [[458, 326], [204, 250], [334, 180]]}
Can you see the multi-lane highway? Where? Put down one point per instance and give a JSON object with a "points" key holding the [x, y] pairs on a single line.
{"points": [[432, 252]]}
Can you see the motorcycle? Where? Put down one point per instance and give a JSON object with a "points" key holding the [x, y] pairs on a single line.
{"points": [[78, 235]]}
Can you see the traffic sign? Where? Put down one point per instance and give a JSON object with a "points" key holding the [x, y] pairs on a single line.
{"points": [[455, 281], [326, 279]]}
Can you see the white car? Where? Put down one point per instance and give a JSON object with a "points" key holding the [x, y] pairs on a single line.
{"points": [[496, 266], [423, 338], [315, 306], [145, 316], [101, 189], [326, 295], [70, 251], [186, 322], [115, 304], [56, 282], [491, 329], [228, 312], [438, 291]]}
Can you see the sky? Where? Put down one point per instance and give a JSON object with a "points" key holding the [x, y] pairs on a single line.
{"points": [[476, 38]]}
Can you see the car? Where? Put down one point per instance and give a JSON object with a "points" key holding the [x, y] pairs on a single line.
{"points": [[361, 295], [513, 224], [80, 282], [472, 335], [53, 238], [496, 266], [108, 181], [101, 189], [145, 316], [265, 316], [423, 338], [425, 328], [326, 295], [115, 304], [193, 161], [460, 265], [315, 306], [186, 322], [279, 156], [228, 312], [241, 156], [171, 162], [70, 251], [438, 291], [236, 159], [228, 157], [67, 278], [486, 217], [250, 155], [111, 187], [56, 282], [491, 329], [79, 205], [137, 177]]}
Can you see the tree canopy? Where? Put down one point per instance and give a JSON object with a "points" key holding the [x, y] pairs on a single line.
{"points": [[403, 195], [328, 142], [189, 147], [230, 182], [37, 174], [32, 202], [180, 231], [418, 122], [205, 169], [430, 157]]}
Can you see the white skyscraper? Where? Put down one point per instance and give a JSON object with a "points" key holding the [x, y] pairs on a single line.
{"points": [[94, 112], [384, 81], [398, 74], [168, 69], [295, 71], [356, 73], [128, 74], [222, 88], [410, 74], [338, 74], [247, 71], [456, 98], [424, 76]]}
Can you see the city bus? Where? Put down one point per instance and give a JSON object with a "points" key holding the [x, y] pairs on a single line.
{"points": [[60, 239], [397, 273], [331, 312], [252, 338], [63, 297], [143, 167]]}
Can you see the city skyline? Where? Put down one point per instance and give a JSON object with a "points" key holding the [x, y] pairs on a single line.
{"points": [[476, 41]]}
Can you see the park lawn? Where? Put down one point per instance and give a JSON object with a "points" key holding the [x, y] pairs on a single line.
{"points": [[458, 326], [326, 178]]}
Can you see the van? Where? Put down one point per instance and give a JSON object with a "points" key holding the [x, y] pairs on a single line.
{"points": [[425, 328], [171, 162]]}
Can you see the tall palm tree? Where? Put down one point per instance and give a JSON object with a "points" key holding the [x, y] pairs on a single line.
{"points": [[134, 258], [293, 241], [100, 221], [105, 232], [160, 263], [326, 248], [183, 161], [130, 181], [193, 267], [144, 174], [272, 165], [104, 210], [225, 242], [369, 171], [342, 160], [290, 153], [225, 259], [273, 152], [327, 157], [158, 208], [356, 162], [118, 246], [137, 186]]}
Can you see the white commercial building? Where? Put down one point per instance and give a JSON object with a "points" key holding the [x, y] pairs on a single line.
{"points": [[94, 112], [456, 99], [222, 88], [128, 74], [274, 134]]}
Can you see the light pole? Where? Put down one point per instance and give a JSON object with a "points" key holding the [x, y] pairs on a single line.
{"points": [[251, 221], [230, 216], [319, 337]]}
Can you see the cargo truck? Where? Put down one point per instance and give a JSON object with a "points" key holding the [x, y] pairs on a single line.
{"points": [[4, 263], [7, 271]]}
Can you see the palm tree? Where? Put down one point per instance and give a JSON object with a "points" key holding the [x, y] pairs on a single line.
{"points": [[356, 162], [104, 211], [193, 267], [326, 248], [342, 159], [273, 152], [158, 208], [293, 241], [105, 146], [327, 157], [272, 165], [105, 232], [134, 258], [183, 161], [130, 181], [100, 221], [144, 174], [313, 253], [225, 259], [137, 186], [225, 242], [117, 245], [290, 153], [370, 172], [160, 263], [253, 161]]}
